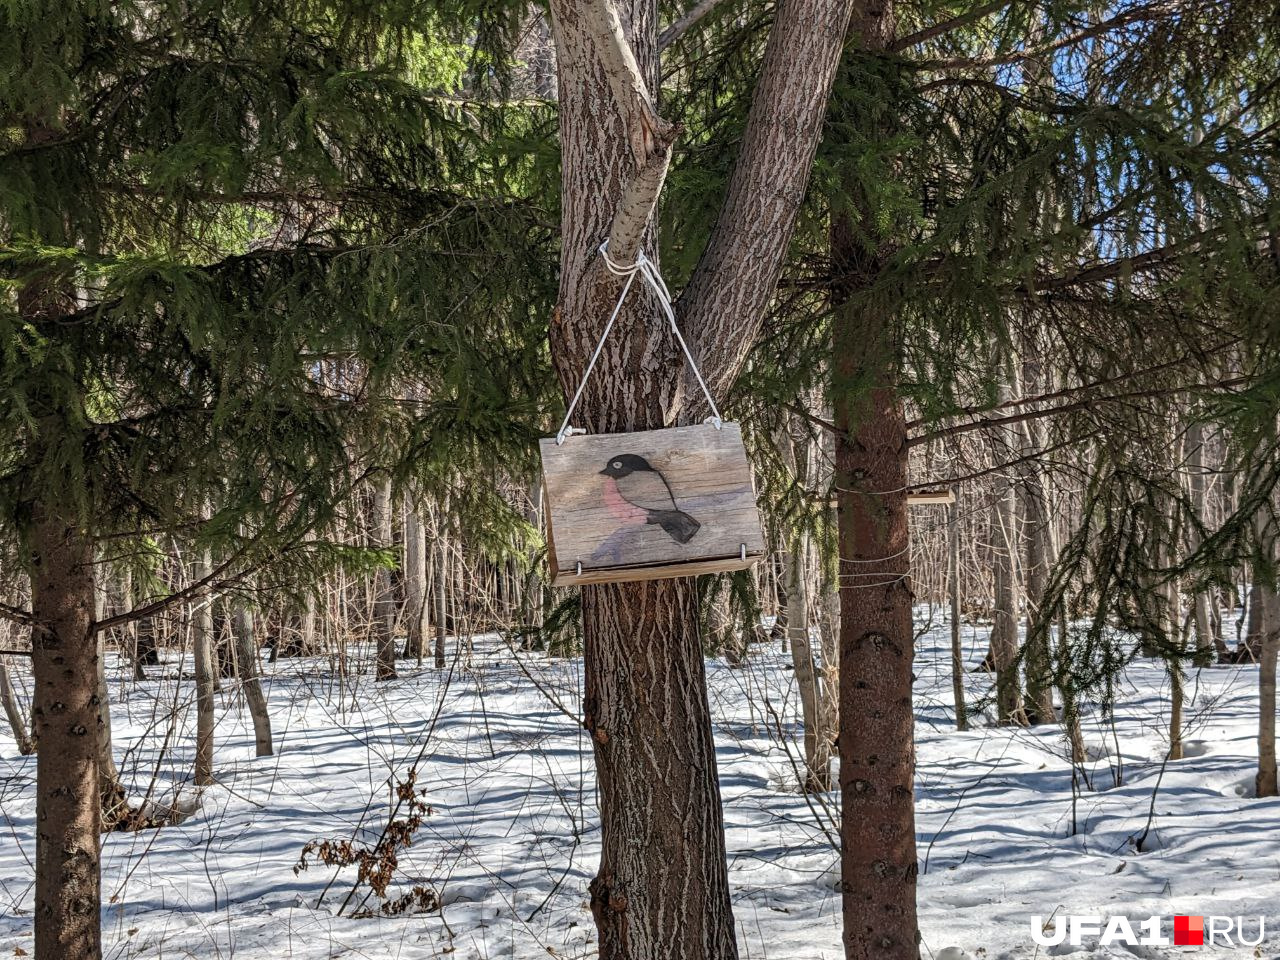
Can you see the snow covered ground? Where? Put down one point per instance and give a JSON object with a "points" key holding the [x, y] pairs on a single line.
{"points": [[512, 841]]}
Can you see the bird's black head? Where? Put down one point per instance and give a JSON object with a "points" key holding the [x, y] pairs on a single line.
{"points": [[623, 464]]}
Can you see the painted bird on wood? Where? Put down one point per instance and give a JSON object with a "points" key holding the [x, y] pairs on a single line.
{"points": [[634, 489]]}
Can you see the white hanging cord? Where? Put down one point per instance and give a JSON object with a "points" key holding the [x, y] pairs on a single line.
{"points": [[643, 267]]}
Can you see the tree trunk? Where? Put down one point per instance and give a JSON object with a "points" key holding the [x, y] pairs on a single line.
{"points": [[829, 679], [957, 651], [661, 890], [415, 582], [202, 649], [877, 748], [110, 790], [1266, 779], [441, 595], [1209, 646], [1041, 551], [384, 597], [251, 679], [68, 810], [26, 746], [1004, 629], [877, 752], [817, 774]]}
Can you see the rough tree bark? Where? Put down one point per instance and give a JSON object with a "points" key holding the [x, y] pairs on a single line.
{"points": [[68, 812], [877, 749], [661, 890]]}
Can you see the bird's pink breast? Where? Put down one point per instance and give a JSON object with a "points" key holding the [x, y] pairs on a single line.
{"points": [[620, 509]]}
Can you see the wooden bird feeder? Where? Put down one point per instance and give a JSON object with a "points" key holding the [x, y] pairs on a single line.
{"points": [[649, 505]]}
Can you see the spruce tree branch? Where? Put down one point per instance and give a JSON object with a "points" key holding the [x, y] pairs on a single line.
{"points": [[1151, 11], [724, 303], [987, 423], [946, 26], [687, 22], [1095, 385]]}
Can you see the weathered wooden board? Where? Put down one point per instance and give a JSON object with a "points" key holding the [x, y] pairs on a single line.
{"points": [[643, 506]]}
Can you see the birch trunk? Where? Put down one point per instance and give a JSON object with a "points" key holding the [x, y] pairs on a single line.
{"points": [[110, 790]]}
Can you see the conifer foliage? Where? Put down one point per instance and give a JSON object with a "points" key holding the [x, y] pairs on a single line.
{"points": [[226, 232]]}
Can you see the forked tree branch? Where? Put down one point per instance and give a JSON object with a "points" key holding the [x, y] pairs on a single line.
{"points": [[724, 304]]}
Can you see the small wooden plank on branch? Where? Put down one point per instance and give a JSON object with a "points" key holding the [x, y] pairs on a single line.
{"points": [[649, 505], [918, 496], [922, 495]]}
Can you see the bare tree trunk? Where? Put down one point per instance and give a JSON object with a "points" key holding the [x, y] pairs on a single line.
{"points": [[877, 752], [1268, 600], [384, 599], [829, 680], [415, 581], [1041, 552], [26, 746], [816, 779], [957, 650], [1004, 629], [202, 650], [110, 790], [68, 810], [1207, 643], [441, 594], [1266, 779], [251, 678]]}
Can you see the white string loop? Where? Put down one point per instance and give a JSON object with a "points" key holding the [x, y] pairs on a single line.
{"points": [[643, 267]]}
